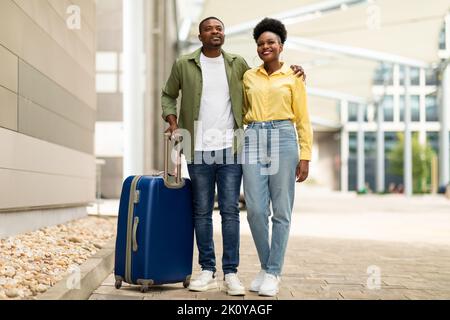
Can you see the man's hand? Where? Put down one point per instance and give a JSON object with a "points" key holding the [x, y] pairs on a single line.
{"points": [[302, 170], [299, 72], [173, 124]]}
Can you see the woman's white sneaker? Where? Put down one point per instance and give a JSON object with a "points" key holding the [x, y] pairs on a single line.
{"points": [[233, 285], [270, 285], [205, 281], [257, 282]]}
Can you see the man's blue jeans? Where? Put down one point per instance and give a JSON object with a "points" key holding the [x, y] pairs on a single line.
{"points": [[210, 168]]}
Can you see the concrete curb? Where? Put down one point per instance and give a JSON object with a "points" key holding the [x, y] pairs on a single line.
{"points": [[92, 273]]}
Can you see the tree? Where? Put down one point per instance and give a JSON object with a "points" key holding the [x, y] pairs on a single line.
{"points": [[422, 157]]}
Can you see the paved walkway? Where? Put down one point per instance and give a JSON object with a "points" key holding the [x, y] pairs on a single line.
{"points": [[342, 246]]}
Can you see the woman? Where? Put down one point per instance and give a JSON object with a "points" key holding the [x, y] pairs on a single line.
{"points": [[278, 124]]}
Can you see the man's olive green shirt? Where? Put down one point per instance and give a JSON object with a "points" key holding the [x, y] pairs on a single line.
{"points": [[186, 76]]}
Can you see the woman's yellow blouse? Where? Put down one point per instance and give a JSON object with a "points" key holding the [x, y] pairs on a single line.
{"points": [[280, 96]]}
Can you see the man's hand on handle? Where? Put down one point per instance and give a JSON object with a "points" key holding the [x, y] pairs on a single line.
{"points": [[173, 124]]}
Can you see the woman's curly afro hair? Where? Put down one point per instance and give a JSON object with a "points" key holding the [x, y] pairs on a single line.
{"points": [[272, 25]]}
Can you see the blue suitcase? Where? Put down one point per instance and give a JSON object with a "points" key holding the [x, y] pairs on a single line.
{"points": [[155, 231]]}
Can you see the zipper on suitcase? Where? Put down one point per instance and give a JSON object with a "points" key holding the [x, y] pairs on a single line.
{"points": [[134, 199]]}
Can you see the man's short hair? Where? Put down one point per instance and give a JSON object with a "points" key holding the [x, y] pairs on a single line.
{"points": [[206, 19]]}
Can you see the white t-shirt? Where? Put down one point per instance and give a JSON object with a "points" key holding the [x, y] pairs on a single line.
{"points": [[214, 130]]}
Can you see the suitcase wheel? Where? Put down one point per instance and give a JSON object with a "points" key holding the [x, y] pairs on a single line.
{"points": [[118, 284]]}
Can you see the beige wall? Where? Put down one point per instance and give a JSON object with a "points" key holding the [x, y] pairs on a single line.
{"points": [[47, 105], [160, 49], [109, 105]]}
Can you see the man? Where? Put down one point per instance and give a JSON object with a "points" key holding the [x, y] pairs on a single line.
{"points": [[212, 99]]}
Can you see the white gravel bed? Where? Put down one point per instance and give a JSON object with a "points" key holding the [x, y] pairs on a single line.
{"points": [[31, 263]]}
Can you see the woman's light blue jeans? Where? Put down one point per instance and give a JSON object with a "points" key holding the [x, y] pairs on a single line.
{"points": [[269, 167]]}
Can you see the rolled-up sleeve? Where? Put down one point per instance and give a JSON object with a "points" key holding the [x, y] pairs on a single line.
{"points": [[302, 119], [171, 92]]}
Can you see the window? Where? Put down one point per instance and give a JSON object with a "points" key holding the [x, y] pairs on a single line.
{"points": [[414, 74], [442, 39], [415, 108], [431, 108], [370, 144], [431, 77], [383, 74], [352, 112], [352, 142], [370, 159], [388, 108], [107, 72], [370, 113], [433, 141], [392, 180], [106, 83], [390, 140], [352, 162], [106, 62]]}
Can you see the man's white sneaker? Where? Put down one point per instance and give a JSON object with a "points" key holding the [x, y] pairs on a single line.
{"points": [[205, 281], [257, 282], [270, 285], [233, 285]]}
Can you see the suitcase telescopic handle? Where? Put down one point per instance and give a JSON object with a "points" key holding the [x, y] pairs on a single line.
{"points": [[169, 181]]}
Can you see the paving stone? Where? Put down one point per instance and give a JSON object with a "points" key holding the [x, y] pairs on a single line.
{"points": [[96, 296], [323, 267], [358, 295], [217, 295], [125, 291], [255, 296]]}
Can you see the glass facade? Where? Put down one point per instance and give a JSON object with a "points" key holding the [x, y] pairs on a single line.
{"points": [[107, 67], [370, 165], [442, 39], [433, 140], [370, 144], [414, 74], [352, 112], [383, 74], [415, 108], [352, 161], [388, 108], [391, 180], [431, 78], [424, 105], [431, 107], [393, 105]]}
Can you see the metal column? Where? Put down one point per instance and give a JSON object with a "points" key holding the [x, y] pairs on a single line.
{"points": [[444, 159], [407, 153], [133, 98], [380, 172], [344, 146], [360, 150]]}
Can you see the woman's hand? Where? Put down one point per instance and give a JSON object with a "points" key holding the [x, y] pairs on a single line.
{"points": [[302, 170]]}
